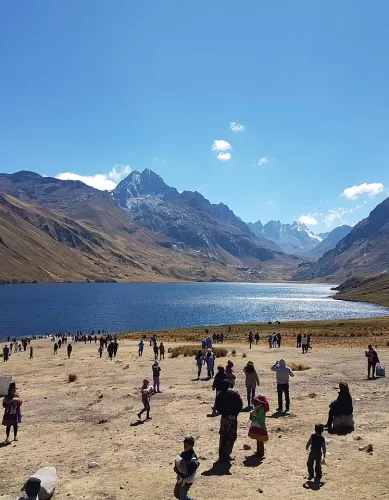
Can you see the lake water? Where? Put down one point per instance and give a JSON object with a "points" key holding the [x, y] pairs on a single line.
{"points": [[39, 308]]}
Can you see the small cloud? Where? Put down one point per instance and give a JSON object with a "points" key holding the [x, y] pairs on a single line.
{"points": [[271, 202], [353, 192], [262, 161], [336, 214], [224, 156], [159, 160], [103, 182], [237, 127], [221, 145], [308, 220]]}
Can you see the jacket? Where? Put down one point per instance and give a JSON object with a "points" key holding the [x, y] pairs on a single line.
{"points": [[188, 462], [228, 403], [343, 405], [252, 379], [283, 372], [218, 381]]}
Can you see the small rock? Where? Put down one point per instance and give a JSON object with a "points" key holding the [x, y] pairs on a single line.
{"points": [[93, 465], [73, 471], [246, 447], [126, 367], [358, 438], [279, 436], [312, 395], [101, 396], [122, 487], [368, 448], [102, 421]]}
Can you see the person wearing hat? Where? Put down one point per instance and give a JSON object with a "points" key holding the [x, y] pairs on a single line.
{"points": [[156, 372], [146, 393], [229, 404], [186, 465], [258, 430], [12, 415], [372, 361]]}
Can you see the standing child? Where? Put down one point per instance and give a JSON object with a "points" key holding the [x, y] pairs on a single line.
{"points": [[258, 430], [141, 346], [317, 444], [146, 392], [156, 372], [230, 373], [210, 360], [185, 466]]}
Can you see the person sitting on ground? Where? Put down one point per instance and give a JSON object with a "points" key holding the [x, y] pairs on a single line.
{"points": [[185, 466], [372, 361], [252, 381], [317, 444], [343, 405], [217, 384], [258, 430], [283, 373], [231, 377]]}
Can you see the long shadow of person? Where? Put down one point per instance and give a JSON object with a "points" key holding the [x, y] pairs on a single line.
{"points": [[218, 469], [252, 461], [313, 485], [277, 414], [137, 422]]}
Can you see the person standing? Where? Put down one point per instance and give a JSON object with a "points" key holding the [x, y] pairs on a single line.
{"points": [[317, 444], [252, 381], [279, 338], [12, 415], [258, 430], [256, 338], [110, 350], [210, 360], [231, 377], [6, 353], [146, 393], [100, 350], [283, 372], [298, 340], [372, 361], [217, 384], [156, 373], [185, 466], [31, 352], [115, 348], [304, 344], [251, 338], [69, 349], [161, 351], [55, 348], [141, 346], [199, 362], [229, 404], [156, 350]]}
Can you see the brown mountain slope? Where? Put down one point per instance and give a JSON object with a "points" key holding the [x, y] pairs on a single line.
{"points": [[373, 289], [364, 251]]}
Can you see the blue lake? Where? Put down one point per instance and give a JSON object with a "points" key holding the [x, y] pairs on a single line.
{"points": [[37, 309]]}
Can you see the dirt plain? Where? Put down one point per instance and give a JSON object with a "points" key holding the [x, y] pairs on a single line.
{"points": [[61, 425]]}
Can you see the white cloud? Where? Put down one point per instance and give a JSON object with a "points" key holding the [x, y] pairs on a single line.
{"points": [[308, 220], [220, 145], [336, 214], [353, 192], [224, 156], [103, 182], [271, 202], [237, 127], [262, 161]]}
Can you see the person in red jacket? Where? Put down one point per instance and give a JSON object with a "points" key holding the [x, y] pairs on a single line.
{"points": [[12, 414]]}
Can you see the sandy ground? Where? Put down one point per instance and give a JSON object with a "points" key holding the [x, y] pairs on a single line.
{"points": [[61, 426]]}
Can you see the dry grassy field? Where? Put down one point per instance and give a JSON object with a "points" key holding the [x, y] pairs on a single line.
{"points": [[67, 425]]}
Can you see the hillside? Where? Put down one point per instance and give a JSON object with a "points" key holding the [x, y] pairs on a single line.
{"points": [[373, 289], [331, 240], [54, 230], [364, 251]]}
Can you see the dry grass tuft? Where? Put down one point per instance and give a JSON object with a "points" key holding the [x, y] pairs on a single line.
{"points": [[190, 350], [298, 367], [72, 377], [244, 355]]}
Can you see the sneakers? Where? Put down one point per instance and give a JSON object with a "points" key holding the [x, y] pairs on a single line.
{"points": [[16, 439], [139, 415], [6, 440]]}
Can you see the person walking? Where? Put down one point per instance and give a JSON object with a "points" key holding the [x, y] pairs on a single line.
{"points": [[161, 351], [256, 336], [210, 361], [372, 361], [100, 350], [217, 384], [199, 362], [283, 372], [304, 344], [229, 404], [185, 466], [298, 340], [31, 352], [110, 349], [317, 444], [156, 350], [156, 373], [6, 353], [69, 349], [12, 414], [56, 348], [258, 430], [141, 346], [252, 381], [115, 348], [251, 338], [146, 393]]}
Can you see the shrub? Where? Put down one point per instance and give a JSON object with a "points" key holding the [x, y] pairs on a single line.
{"points": [[244, 355], [298, 367], [190, 350], [233, 352], [72, 377]]}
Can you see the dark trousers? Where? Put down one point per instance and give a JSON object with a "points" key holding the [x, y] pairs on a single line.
{"points": [[162, 355], [304, 348], [8, 430], [371, 366], [250, 395], [145, 409], [314, 465], [283, 389], [228, 434], [181, 490], [298, 343]]}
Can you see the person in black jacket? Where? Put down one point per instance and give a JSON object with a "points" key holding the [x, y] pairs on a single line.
{"points": [[372, 361], [229, 404], [343, 404], [217, 384]]}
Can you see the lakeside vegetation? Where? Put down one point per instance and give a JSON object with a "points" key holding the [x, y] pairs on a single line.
{"points": [[373, 289]]}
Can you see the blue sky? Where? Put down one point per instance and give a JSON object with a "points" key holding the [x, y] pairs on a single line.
{"points": [[96, 88]]}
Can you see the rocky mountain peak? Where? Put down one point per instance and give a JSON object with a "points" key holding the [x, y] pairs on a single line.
{"points": [[140, 184]]}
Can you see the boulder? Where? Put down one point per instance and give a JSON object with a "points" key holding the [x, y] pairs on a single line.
{"points": [[5, 380], [48, 478]]}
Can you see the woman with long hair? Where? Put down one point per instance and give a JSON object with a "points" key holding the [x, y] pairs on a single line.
{"points": [[12, 414]]}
